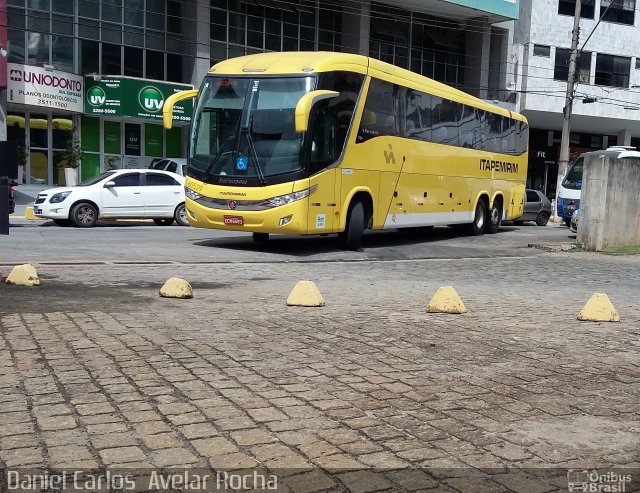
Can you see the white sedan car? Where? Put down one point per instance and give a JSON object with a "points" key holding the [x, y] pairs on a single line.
{"points": [[121, 194]]}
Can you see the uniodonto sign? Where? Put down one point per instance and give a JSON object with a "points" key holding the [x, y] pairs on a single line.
{"points": [[46, 88]]}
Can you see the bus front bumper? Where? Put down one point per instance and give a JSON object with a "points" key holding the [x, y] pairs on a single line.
{"points": [[286, 219]]}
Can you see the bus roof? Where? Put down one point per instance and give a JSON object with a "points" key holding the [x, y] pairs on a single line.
{"points": [[308, 62]]}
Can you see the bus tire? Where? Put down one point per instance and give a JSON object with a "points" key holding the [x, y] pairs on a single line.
{"points": [[351, 238], [495, 218], [479, 223]]}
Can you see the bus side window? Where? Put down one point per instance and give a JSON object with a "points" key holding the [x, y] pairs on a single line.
{"points": [[379, 116], [418, 115]]}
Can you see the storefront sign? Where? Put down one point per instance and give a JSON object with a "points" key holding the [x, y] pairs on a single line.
{"points": [[134, 98], [36, 86]]}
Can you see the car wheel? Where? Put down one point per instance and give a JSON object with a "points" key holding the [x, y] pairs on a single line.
{"points": [[567, 222], [476, 228], [163, 221], [495, 218], [84, 215], [181, 215], [351, 238], [260, 237], [63, 222], [542, 219]]}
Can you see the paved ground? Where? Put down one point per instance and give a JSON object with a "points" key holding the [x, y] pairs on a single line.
{"points": [[367, 393]]}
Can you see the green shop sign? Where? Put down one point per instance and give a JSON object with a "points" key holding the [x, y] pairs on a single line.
{"points": [[134, 98]]}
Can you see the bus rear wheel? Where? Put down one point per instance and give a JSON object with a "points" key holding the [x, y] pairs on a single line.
{"points": [[351, 238], [495, 218], [476, 228]]}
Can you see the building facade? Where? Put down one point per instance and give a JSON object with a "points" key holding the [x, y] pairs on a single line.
{"points": [[118, 49], [606, 103]]}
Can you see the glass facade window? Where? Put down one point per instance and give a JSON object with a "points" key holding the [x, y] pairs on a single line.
{"points": [[583, 66], [621, 11], [568, 7], [612, 70]]}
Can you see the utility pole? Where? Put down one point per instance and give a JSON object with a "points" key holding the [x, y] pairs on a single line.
{"points": [[563, 162]]}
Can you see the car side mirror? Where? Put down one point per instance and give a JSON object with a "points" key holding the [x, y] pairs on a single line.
{"points": [[110, 184]]}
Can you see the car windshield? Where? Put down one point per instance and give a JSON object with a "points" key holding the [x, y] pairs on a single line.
{"points": [[96, 179], [244, 127], [573, 180]]}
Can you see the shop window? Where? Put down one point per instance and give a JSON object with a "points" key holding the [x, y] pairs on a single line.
{"points": [[155, 15], [621, 11], [568, 7], [583, 66], [155, 65], [111, 59], [612, 70], [38, 21], [542, 50]]}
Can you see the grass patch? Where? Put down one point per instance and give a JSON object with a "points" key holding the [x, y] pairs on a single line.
{"points": [[576, 247], [626, 250]]}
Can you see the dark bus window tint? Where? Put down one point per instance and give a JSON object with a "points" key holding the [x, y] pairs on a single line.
{"points": [[508, 142], [331, 118], [418, 115], [521, 137], [379, 116], [445, 122], [492, 138], [467, 126], [482, 131]]}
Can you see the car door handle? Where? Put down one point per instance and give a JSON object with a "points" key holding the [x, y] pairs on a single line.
{"points": [[136, 193]]}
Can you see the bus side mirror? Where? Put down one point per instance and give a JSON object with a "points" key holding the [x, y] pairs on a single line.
{"points": [[171, 101], [306, 102]]}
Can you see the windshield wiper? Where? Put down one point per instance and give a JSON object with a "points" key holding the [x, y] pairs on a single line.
{"points": [[252, 150], [213, 161]]}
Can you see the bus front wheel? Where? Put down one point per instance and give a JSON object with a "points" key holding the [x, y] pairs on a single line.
{"points": [[351, 238], [495, 218], [476, 228]]}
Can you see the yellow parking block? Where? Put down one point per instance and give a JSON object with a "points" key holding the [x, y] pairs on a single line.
{"points": [[28, 213]]}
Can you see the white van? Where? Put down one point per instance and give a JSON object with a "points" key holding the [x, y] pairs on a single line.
{"points": [[568, 197]]}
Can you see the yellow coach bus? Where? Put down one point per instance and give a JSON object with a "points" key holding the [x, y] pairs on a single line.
{"points": [[319, 142]]}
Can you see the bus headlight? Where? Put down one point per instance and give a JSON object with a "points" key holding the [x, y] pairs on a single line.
{"points": [[291, 197], [192, 194]]}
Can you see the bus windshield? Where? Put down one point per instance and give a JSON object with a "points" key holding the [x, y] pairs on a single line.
{"points": [[573, 180], [244, 129]]}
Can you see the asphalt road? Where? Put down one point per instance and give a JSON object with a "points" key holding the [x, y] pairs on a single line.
{"points": [[142, 241]]}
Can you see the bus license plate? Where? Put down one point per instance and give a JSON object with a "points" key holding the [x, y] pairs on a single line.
{"points": [[234, 220]]}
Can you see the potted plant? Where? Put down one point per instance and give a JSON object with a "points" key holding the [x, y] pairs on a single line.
{"points": [[70, 161]]}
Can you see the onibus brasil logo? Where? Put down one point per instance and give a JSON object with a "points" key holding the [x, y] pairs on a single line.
{"points": [[96, 96], [150, 99]]}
